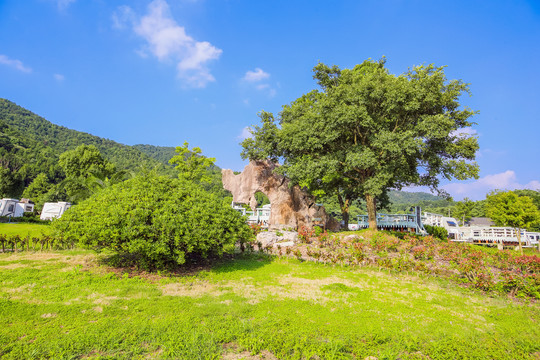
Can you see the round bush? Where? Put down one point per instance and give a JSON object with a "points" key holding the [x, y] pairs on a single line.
{"points": [[159, 221], [437, 231]]}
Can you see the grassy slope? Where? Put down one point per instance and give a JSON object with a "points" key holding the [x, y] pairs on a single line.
{"points": [[23, 229], [52, 306]]}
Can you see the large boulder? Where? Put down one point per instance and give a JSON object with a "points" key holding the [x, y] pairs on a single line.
{"points": [[292, 207]]}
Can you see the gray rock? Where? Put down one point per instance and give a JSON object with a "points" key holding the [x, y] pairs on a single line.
{"points": [[284, 244], [273, 237], [352, 237]]}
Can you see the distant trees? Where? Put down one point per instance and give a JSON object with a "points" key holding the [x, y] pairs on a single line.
{"points": [[82, 167], [38, 190], [464, 210], [509, 209], [367, 131]]}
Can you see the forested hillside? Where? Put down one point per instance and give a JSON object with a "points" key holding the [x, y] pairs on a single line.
{"points": [[30, 145], [160, 153]]}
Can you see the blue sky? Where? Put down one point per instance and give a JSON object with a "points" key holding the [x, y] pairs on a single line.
{"points": [[167, 71]]}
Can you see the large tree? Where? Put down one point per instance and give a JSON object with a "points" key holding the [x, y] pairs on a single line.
{"points": [[367, 131], [464, 210], [510, 209]]}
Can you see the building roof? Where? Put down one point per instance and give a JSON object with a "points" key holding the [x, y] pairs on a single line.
{"points": [[480, 221]]}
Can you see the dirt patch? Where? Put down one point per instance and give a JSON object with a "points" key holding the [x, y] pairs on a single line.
{"points": [[154, 354], [37, 256], [49, 315], [21, 289], [13, 266], [232, 353], [287, 288], [193, 289]]}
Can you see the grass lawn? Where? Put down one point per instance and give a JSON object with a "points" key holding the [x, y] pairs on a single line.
{"points": [[24, 229], [66, 305]]}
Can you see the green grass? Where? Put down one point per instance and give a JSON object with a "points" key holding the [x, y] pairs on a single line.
{"points": [[66, 305], [24, 229]]}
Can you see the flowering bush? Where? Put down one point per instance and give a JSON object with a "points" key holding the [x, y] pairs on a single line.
{"points": [[480, 268], [305, 234], [528, 263], [256, 228]]}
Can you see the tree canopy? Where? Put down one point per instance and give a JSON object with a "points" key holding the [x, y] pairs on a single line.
{"points": [[509, 209], [191, 164], [367, 131]]}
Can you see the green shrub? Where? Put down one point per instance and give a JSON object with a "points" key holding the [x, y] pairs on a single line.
{"points": [[437, 231], [157, 222]]}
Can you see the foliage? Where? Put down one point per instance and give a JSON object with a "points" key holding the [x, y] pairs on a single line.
{"points": [[39, 191], [160, 153], [191, 165], [535, 197], [156, 220], [82, 166], [305, 233], [464, 210], [509, 209], [368, 131], [262, 199], [437, 231]]}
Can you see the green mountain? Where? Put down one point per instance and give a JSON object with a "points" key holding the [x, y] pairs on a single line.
{"points": [[30, 145], [405, 197], [160, 153]]}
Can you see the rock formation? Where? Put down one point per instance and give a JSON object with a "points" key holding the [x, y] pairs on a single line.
{"points": [[291, 206]]}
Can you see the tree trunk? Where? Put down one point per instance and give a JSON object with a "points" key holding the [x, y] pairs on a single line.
{"points": [[344, 206], [518, 234], [372, 211]]}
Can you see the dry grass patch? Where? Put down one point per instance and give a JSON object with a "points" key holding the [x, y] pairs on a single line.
{"points": [[13, 266], [288, 287], [232, 353]]}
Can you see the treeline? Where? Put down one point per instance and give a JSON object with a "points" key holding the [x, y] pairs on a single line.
{"points": [[401, 202], [31, 149]]}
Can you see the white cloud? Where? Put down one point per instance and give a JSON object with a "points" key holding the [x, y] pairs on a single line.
{"points": [[123, 17], [257, 75], [17, 64], [167, 41], [478, 189], [467, 131], [245, 134], [64, 4], [59, 77]]}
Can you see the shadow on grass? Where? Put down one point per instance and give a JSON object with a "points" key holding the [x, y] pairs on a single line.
{"points": [[242, 261], [131, 264]]}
